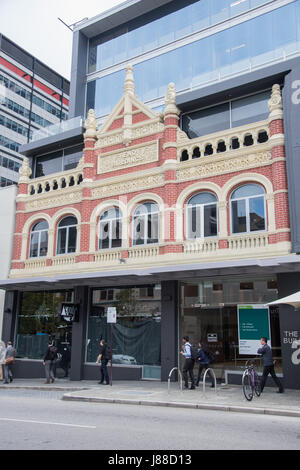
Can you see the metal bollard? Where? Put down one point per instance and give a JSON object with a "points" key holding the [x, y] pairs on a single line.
{"points": [[169, 378], [204, 378]]}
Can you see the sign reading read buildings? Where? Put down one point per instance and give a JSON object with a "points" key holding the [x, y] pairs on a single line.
{"points": [[126, 158]]}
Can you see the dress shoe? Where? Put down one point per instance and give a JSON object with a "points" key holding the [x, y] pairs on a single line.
{"points": [[52, 379], [100, 383], [192, 388], [280, 391], [6, 382], [47, 382], [10, 379]]}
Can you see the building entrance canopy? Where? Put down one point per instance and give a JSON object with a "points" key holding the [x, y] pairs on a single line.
{"points": [[156, 274]]}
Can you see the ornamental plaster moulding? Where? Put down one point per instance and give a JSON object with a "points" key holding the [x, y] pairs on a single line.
{"points": [[128, 105], [24, 171], [275, 104]]}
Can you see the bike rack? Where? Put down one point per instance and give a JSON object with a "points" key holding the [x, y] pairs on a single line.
{"points": [[204, 378], [169, 378]]}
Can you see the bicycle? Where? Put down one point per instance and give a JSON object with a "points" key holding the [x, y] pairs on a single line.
{"points": [[251, 382]]}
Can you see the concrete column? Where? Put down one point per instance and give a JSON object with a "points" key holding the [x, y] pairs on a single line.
{"points": [[169, 328], [79, 333]]}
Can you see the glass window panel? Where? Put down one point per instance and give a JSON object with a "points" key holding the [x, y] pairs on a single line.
{"points": [[70, 220], [146, 79], [139, 228], [61, 242], [261, 34], [238, 214], [52, 163], [219, 10], [206, 121], [257, 213], [250, 109], [34, 245], [202, 198], [153, 224], [247, 190], [238, 6], [239, 48], [42, 225], [104, 236], [72, 239], [200, 15], [204, 68], [210, 220], [285, 38], [43, 243], [194, 222], [116, 234], [72, 156]]}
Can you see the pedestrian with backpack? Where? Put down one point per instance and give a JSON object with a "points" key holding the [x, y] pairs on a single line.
{"points": [[188, 366], [49, 362], [203, 361]]}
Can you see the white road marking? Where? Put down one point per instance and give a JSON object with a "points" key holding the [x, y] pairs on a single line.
{"points": [[47, 422]]}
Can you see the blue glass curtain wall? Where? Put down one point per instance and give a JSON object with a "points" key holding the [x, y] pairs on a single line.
{"points": [[239, 49], [129, 42]]}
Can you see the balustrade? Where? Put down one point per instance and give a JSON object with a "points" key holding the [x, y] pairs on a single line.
{"points": [[228, 140]]}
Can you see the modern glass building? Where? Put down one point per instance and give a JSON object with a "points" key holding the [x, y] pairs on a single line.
{"points": [[32, 97], [224, 57]]}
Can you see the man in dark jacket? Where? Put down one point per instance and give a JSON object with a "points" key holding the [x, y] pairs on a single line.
{"points": [[49, 362], [203, 362], [267, 358], [103, 359], [9, 359]]}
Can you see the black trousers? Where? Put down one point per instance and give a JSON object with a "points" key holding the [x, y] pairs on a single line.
{"points": [[201, 367], [270, 370], [104, 372], [188, 367]]}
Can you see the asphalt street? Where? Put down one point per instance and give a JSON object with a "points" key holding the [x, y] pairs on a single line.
{"points": [[40, 420]]}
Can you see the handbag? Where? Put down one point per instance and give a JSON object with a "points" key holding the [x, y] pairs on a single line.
{"points": [[9, 360]]}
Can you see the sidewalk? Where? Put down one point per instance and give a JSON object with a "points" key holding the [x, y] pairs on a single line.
{"points": [[152, 393]]}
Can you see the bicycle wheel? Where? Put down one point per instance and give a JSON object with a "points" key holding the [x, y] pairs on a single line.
{"points": [[257, 386], [247, 386]]}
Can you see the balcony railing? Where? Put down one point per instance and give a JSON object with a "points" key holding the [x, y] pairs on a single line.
{"points": [[58, 128]]}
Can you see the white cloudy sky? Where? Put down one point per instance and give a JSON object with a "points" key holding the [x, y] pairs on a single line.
{"points": [[33, 25]]}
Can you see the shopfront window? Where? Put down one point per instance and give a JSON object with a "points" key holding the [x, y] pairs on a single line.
{"points": [[209, 314], [39, 320], [136, 334]]}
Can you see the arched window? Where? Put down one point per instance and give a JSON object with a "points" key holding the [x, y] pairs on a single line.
{"points": [[110, 229], [248, 209], [39, 240], [202, 216], [66, 235], [146, 224]]}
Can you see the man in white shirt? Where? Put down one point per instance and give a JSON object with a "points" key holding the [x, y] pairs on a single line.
{"points": [[188, 365]]}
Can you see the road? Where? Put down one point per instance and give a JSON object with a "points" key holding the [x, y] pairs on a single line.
{"points": [[40, 420]]}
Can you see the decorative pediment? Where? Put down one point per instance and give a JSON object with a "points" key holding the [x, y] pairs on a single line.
{"points": [[128, 117]]}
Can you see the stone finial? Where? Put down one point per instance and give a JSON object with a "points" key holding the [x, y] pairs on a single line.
{"points": [[275, 103], [90, 124], [170, 100], [24, 171], [129, 81]]}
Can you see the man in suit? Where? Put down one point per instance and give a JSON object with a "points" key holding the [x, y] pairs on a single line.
{"points": [[267, 358], [9, 359], [188, 365]]}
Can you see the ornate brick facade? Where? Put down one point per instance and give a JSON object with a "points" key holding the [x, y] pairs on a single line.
{"points": [[136, 156]]}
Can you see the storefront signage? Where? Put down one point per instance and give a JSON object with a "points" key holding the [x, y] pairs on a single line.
{"points": [[254, 322], [111, 315], [69, 312], [212, 337]]}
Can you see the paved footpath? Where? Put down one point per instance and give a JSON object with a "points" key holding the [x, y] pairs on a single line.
{"points": [[152, 393]]}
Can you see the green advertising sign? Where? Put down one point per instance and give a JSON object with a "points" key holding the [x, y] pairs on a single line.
{"points": [[254, 322]]}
